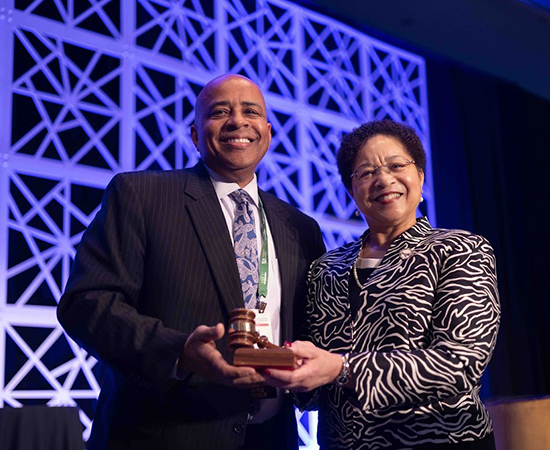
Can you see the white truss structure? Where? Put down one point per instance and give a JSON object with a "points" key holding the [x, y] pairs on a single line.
{"points": [[92, 88]]}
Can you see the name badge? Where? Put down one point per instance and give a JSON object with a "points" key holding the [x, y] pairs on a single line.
{"points": [[263, 325], [264, 328]]}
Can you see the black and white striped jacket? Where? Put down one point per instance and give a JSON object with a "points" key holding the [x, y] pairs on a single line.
{"points": [[424, 334]]}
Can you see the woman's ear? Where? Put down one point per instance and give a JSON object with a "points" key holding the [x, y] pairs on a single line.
{"points": [[421, 173]]}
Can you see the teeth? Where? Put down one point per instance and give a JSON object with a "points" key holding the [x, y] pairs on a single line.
{"points": [[389, 196], [239, 140]]}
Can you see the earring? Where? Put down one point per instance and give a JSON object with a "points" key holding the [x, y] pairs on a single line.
{"points": [[421, 196]]}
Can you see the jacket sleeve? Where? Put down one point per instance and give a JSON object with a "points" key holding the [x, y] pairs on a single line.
{"points": [[465, 319], [98, 307]]}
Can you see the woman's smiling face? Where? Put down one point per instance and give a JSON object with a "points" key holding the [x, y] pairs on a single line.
{"points": [[386, 185]]}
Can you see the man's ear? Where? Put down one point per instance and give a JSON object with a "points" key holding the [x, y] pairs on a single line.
{"points": [[269, 134], [195, 135]]}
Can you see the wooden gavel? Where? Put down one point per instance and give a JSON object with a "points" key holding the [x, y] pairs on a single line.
{"points": [[242, 336], [242, 331]]}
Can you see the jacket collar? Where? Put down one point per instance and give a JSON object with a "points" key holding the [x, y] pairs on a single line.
{"points": [[403, 244], [416, 232]]}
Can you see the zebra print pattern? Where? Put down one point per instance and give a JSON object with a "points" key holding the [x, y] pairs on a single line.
{"points": [[424, 334]]}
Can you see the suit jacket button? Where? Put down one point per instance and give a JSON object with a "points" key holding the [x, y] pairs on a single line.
{"points": [[238, 428]]}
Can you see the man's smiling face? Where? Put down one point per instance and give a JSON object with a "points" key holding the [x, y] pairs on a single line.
{"points": [[231, 131]]}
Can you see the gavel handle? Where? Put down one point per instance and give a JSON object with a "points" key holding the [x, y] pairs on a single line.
{"points": [[263, 342]]}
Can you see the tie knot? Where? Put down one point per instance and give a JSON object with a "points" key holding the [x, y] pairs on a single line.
{"points": [[240, 196]]}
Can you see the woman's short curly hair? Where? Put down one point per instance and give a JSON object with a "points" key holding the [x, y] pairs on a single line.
{"points": [[355, 140]]}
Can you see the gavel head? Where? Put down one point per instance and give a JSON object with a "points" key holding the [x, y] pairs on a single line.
{"points": [[242, 329]]}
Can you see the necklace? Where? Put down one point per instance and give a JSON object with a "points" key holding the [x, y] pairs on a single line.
{"points": [[354, 266], [354, 270]]}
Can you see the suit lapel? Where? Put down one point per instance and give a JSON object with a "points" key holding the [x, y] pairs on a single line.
{"points": [[287, 248], [207, 216]]}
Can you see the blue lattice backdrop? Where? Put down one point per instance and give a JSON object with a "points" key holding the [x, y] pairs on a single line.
{"points": [[91, 88]]}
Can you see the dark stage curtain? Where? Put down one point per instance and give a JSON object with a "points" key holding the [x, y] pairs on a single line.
{"points": [[491, 161]]}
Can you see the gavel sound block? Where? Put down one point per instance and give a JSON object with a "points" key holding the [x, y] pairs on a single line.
{"points": [[242, 336]]}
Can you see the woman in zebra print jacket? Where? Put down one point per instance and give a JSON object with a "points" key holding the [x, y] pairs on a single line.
{"points": [[402, 323]]}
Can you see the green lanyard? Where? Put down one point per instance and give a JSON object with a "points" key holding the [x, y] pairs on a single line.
{"points": [[264, 259]]}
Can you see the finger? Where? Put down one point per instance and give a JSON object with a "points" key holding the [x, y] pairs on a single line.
{"points": [[282, 385], [228, 371], [284, 379], [205, 334], [250, 381], [303, 349], [231, 372], [286, 376], [244, 378], [302, 379]]}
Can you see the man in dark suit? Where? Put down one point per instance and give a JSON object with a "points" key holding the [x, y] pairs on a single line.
{"points": [[156, 275]]}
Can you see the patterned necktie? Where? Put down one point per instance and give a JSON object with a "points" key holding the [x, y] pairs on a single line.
{"points": [[246, 247]]}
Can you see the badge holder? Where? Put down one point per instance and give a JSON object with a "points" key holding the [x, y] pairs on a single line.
{"points": [[242, 336]]}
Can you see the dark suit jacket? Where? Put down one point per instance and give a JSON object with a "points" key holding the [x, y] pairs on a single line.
{"points": [[156, 262]]}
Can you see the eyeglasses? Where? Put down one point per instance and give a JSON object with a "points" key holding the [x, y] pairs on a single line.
{"points": [[366, 172]]}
